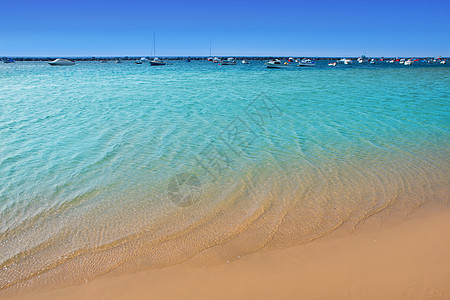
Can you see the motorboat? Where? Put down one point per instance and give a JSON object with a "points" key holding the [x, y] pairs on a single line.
{"points": [[118, 61], [443, 62], [216, 60], [210, 59], [245, 62], [138, 62], [408, 62], [362, 59], [276, 64], [333, 64], [372, 61], [144, 59], [290, 59], [306, 63], [61, 62], [157, 62], [229, 61], [347, 61]]}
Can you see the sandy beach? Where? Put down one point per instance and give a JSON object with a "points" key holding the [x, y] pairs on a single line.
{"points": [[399, 260]]}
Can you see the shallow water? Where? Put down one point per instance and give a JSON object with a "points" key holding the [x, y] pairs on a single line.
{"points": [[110, 167]]}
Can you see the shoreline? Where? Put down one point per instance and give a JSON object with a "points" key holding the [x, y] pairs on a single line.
{"points": [[410, 259]]}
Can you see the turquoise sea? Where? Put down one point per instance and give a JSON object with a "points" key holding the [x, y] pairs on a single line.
{"points": [[120, 167]]}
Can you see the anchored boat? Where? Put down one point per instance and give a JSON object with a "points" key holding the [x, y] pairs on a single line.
{"points": [[61, 62], [306, 63], [229, 61], [276, 64]]}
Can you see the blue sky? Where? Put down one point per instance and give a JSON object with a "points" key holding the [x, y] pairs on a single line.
{"points": [[297, 28]]}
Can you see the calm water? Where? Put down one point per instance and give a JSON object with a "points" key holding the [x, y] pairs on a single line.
{"points": [[118, 167]]}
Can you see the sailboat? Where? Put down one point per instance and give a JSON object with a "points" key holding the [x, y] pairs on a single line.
{"points": [[156, 61], [210, 57]]}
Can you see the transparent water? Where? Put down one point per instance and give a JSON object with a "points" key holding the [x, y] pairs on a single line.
{"points": [[108, 167]]}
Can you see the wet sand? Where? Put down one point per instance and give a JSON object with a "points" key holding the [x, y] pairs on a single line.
{"points": [[401, 260]]}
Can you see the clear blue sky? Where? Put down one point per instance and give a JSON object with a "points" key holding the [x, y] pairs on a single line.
{"points": [[286, 27]]}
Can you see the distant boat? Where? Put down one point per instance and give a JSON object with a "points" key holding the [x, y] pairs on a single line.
{"points": [[362, 59], [347, 61], [229, 61], [333, 64], [118, 61], [245, 62], [276, 64], [155, 61], [9, 61], [103, 61], [216, 60], [61, 62], [443, 62], [144, 59], [372, 61], [408, 62], [306, 63], [138, 62], [290, 59], [210, 58]]}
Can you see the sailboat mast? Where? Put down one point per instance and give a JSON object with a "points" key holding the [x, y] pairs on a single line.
{"points": [[209, 47], [154, 46]]}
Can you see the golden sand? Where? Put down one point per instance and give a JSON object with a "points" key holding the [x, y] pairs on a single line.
{"points": [[407, 260]]}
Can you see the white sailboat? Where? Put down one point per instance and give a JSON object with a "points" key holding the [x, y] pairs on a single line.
{"points": [[210, 57], [156, 61]]}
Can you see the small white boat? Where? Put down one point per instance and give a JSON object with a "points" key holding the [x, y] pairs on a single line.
{"points": [[157, 62], [306, 63], [245, 62], [333, 64], [118, 61], [276, 64], [144, 59], [138, 62], [61, 62], [290, 59], [443, 62], [372, 61], [210, 59], [408, 62], [362, 59], [229, 61], [216, 60], [347, 61]]}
